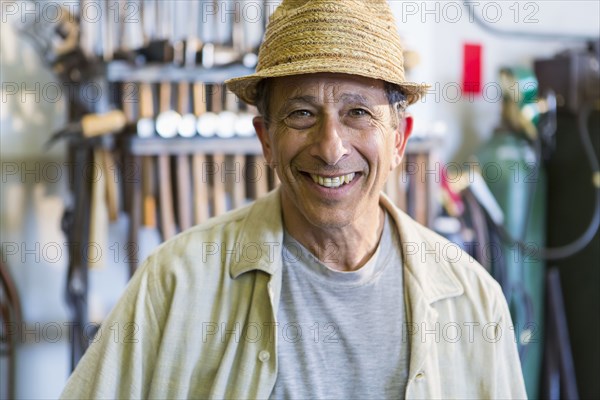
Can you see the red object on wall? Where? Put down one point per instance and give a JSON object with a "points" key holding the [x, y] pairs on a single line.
{"points": [[472, 68]]}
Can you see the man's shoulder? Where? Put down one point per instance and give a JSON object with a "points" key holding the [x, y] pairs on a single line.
{"points": [[219, 241], [194, 267], [440, 267], [202, 241]]}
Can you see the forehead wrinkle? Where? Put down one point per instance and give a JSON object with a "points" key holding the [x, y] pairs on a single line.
{"points": [[304, 99], [344, 98]]}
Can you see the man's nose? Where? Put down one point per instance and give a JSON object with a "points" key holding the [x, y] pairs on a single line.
{"points": [[328, 144]]}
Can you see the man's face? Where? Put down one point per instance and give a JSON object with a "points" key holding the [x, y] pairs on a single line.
{"points": [[333, 141]]}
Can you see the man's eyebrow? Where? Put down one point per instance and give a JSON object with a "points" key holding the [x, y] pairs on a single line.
{"points": [[346, 97], [354, 98], [301, 99]]}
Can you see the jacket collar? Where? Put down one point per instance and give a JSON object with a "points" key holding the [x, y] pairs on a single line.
{"points": [[426, 269], [263, 228], [426, 258]]}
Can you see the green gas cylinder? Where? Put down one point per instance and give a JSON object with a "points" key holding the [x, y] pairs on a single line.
{"points": [[511, 167]]}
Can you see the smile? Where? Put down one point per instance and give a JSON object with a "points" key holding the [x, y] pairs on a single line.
{"points": [[333, 182]]}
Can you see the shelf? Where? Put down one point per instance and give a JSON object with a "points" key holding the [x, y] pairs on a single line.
{"points": [[121, 71], [422, 145], [178, 145]]}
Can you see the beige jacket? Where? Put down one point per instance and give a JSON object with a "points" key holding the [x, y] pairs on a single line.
{"points": [[198, 319]]}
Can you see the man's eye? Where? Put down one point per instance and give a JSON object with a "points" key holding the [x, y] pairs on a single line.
{"points": [[358, 112], [300, 114], [300, 119]]}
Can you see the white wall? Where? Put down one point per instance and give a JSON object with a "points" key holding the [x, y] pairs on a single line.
{"points": [[438, 30], [32, 198]]}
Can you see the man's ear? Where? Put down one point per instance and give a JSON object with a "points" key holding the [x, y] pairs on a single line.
{"points": [[263, 136], [402, 134]]}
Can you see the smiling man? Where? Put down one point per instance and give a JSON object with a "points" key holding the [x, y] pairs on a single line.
{"points": [[323, 288], [333, 139]]}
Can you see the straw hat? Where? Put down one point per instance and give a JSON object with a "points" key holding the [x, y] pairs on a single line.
{"points": [[356, 37]]}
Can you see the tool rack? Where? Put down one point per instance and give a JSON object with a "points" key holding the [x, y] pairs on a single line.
{"points": [[128, 150]]}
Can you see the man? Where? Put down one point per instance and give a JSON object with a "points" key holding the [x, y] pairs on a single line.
{"points": [[322, 289]]}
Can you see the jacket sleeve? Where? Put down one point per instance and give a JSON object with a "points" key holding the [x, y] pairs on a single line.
{"points": [[120, 361], [508, 376]]}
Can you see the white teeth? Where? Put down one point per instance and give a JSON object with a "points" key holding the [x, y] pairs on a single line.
{"points": [[334, 182]]}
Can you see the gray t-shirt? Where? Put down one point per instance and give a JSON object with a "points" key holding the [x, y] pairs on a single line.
{"points": [[341, 334]]}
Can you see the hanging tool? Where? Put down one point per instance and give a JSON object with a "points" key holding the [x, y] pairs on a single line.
{"points": [[145, 125], [148, 192], [91, 125], [98, 212], [227, 117], [149, 20], [226, 44], [144, 232], [200, 187], [131, 29], [208, 122], [237, 182], [145, 129], [10, 316], [112, 188], [167, 217], [184, 180], [168, 119], [219, 189], [187, 123], [133, 200], [193, 44], [200, 184]]}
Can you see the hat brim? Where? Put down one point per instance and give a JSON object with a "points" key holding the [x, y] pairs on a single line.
{"points": [[245, 86]]}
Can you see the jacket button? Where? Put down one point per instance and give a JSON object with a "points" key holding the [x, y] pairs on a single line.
{"points": [[420, 376], [264, 356]]}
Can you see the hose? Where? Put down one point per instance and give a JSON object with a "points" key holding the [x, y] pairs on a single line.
{"points": [[567, 250], [556, 253]]}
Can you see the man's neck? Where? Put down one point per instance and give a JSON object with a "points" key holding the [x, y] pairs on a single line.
{"points": [[346, 248]]}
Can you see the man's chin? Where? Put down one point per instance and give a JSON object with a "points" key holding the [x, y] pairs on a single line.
{"points": [[327, 218]]}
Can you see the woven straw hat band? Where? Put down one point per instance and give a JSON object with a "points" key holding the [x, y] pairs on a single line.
{"points": [[354, 37]]}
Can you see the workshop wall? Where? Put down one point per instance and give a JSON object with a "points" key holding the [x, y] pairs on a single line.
{"points": [[32, 198]]}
